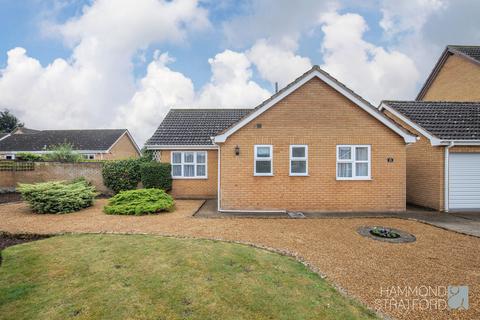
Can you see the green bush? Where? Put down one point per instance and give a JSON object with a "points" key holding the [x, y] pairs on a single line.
{"points": [[156, 175], [139, 202], [58, 196], [28, 156], [121, 175], [63, 153]]}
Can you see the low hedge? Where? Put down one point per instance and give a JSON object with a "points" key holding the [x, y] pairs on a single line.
{"points": [[121, 175], [156, 175], [139, 202], [58, 196], [28, 156]]}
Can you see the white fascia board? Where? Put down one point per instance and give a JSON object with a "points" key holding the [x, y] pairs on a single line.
{"points": [[332, 83], [6, 136], [181, 147], [461, 142], [50, 151], [433, 140]]}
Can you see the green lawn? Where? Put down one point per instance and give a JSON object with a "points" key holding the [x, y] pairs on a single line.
{"points": [[150, 277]]}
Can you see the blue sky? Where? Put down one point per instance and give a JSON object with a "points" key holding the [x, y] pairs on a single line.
{"points": [[124, 63]]}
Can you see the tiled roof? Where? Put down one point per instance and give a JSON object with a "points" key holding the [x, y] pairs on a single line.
{"points": [[471, 51], [445, 120], [194, 126], [90, 139]]}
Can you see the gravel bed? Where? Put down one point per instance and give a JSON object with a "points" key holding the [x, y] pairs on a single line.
{"points": [[357, 265]]}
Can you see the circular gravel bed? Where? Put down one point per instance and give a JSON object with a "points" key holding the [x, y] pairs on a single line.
{"points": [[404, 237]]}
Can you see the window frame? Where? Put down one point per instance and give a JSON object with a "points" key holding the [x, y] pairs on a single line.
{"points": [[10, 156], [87, 156], [194, 163], [354, 161], [292, 158], [255, 159]]}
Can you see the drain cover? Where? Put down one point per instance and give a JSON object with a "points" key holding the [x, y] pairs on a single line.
{"points": [[296, 214]]}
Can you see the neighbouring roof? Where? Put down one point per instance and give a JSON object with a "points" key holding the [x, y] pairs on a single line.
{"points": [[3, 135], [194, 126], [41, 140], [443, 119], [471, 53]]}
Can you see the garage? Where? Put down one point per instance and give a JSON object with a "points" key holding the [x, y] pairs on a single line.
{"points": [[464, 181]]}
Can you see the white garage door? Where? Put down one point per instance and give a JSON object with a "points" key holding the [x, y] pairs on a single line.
{"points": [[464, 181]]}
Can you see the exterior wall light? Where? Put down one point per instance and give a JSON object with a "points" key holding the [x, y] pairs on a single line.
{"points": [[237, 150]]}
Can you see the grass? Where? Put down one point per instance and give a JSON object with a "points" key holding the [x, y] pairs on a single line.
{"points": [[151, 277]]}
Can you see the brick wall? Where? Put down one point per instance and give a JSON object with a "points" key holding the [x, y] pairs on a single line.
{"points": [[50, 171], [320, 117], [457, 81], [195, 188], [425, 171]]}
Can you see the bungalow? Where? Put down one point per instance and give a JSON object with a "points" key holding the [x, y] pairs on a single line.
{"points": [[101, 144], [443, 167], [313, 146]]}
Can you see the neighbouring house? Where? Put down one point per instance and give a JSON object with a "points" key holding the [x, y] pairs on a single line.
{"points": [[443, 167], [455, 76], [313, 146], [99, 144]]}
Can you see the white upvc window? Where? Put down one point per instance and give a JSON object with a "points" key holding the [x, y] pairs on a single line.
{"points": [[353, 162], [89, 156], [10, 156], [298, 160], [263, 160], [189, 164]]}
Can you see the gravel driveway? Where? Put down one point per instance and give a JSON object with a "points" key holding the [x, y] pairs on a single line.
{"points": [[367, 269]]}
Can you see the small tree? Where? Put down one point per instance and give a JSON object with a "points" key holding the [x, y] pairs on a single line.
{"points": [[8, 122], [63, 153]]}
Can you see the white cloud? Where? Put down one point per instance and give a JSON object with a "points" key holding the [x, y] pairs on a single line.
{"points": [[231, 84], [278, 62], [160, 89], [88, 89], [372, 71], [422, 28], [274, 19], [407, 16]]}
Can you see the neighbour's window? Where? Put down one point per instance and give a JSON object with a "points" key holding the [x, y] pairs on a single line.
{"points": [[88, 156], [10, 157], [353, 162], [189, 164], [298, 160], [263, 160]]}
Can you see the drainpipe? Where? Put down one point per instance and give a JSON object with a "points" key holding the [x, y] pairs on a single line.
{"points": [[446, 180]]}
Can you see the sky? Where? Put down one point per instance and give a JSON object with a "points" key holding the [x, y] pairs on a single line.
{"points": [[71, 64]]}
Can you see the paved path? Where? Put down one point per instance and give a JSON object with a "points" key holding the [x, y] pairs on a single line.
{"points": [[463, 222], [360, 266]]}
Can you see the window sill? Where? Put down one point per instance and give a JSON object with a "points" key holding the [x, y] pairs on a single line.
{"points": [[354, 179], [299, 175], [263, 175], [189, 178]]}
